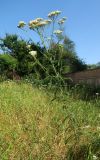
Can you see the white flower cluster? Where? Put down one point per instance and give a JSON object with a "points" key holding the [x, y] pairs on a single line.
{"points": [[57, 32], [29, 47], [86, 127], [39, 22], [21, 24], [61, 21], [53, 14], [33, 53], [95, 157], [36, 23]]}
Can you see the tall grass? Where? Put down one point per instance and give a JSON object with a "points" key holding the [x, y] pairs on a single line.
{"points": [[33, 127]]}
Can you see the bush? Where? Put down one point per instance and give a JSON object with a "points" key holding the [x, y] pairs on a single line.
{"points": [[7, 63], [85, 91]]}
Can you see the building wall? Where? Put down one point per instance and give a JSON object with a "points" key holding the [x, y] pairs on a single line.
{"points": [[88, 76]]}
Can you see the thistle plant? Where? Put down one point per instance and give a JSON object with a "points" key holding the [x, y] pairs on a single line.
{"points": [[53, 71]]}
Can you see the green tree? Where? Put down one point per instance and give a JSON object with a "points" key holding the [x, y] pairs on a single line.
{"points": [[71, 58], [65, 57], [18, 49], [7, 64]]}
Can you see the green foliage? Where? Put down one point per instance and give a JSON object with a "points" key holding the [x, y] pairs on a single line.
{"points": [[17, 48], [65, 58], [85, 91], [14, 46], [49, 65], [94, 66], [7, 63], [73, 61]]}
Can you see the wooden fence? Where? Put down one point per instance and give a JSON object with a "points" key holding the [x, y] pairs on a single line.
{"points": [[88, 76]]}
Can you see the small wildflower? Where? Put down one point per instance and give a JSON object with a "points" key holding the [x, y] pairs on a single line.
{"points": [[21, 24], [58, 32], [95, 157], [85, 127], [97, 94], [43, 139], [33, 53]]}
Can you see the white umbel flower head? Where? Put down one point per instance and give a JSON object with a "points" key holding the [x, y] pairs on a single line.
{"points": [[54, 13], [33, 53], [37, 23], [21, 24], [57, 32], [33, 22], [61, 21]]}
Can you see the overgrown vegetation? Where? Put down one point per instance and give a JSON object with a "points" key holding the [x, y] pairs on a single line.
{"points": [[42, 115], [49, 60], [32, 126]]}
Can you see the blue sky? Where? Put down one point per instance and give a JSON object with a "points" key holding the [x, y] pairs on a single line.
{"points": [[82, 26]]}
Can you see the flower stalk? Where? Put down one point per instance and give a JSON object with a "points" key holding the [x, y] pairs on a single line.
{"points": [[38, 25]]}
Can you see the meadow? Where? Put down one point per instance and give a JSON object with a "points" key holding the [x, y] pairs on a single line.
{"points": [[34, 126]]}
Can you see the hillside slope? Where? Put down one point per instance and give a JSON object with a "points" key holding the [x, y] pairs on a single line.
{"points": [[32, 127]]}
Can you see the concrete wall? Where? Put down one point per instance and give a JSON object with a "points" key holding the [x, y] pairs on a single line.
{"points": [[88, 76]]}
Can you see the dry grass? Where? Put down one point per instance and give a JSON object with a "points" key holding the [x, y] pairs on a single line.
{"points": [[32, 127]]}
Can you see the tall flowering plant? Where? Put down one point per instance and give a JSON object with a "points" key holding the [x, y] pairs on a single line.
{"points": [[52, 63]]}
